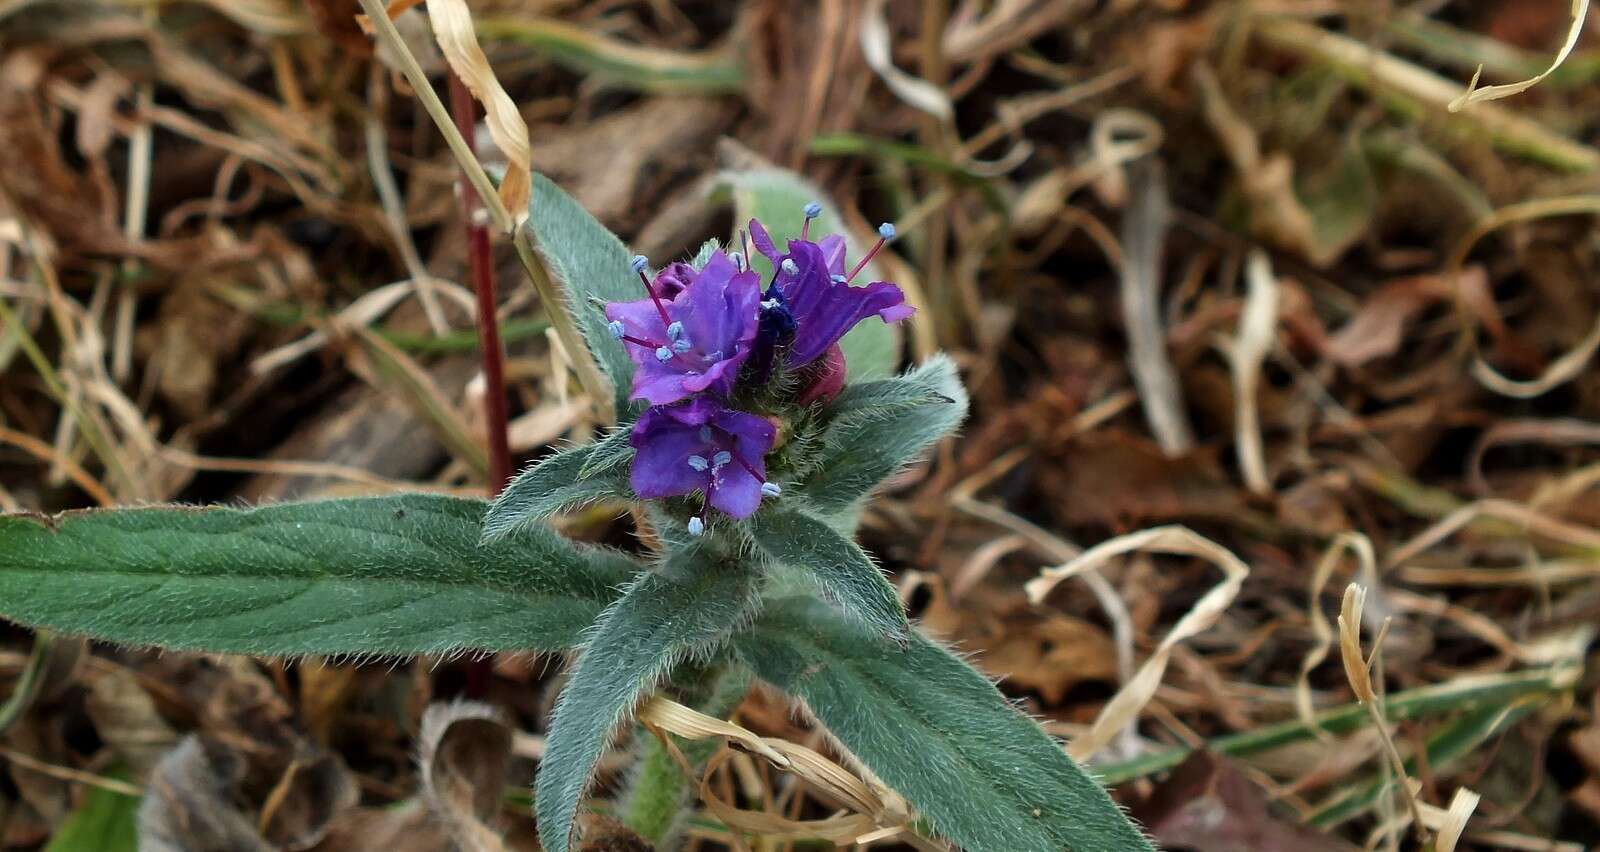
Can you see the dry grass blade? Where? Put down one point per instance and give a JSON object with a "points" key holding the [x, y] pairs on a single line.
{"points": [[1454, 821], [879, 811], [1358, 670], [1144, 234], [1501, 510], [452, 27], [1473, 94], [915, 91], [1124, 707], [1246, 353], [1361, 546]]}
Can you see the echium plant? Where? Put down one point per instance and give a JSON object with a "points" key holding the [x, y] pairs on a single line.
{"points": [[749, 454]]}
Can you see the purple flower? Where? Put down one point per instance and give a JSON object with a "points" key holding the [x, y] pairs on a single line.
{"points": [[696, 341], [812, 292], [673, 279], [702, 445]]}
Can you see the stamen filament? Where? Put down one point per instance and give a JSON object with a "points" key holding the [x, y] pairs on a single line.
{"points": [[639, 341], [639, 264], [885, 234]]}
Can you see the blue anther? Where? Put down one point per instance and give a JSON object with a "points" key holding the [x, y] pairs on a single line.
{"points": [[616, 328], [771, 489], [675, 330], [839, 279], [813, 210], [663, 354], [886, 231], [738, 260], [699, 463], [681, 345], [721, 458], [789, 267], [697, 527], [769, 304], [639, 263], [705, 434]]}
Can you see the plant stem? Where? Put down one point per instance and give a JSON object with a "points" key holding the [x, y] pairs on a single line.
{"points": [[480, 264], [657, 795], [480, 261], [555, 308]]}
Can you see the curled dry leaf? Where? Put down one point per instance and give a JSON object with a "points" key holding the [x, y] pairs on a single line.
{"points": [[189, 806], [192, 803], [452, 27], [125, 718], [466, 750]]}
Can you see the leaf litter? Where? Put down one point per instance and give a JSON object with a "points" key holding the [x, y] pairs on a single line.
{"points": [[1257, 283]]}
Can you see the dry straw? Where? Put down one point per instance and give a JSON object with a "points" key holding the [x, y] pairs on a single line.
{"points": [[452, 27], [1473, 94], [1124, 707], [876, 812]]}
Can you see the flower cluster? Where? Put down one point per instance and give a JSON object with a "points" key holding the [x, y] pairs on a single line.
{"points": [[705, 338]]}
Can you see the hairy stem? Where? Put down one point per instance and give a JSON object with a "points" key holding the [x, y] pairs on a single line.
{"points": [[657, 797]]}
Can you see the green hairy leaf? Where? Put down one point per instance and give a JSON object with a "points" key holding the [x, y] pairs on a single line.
{"points": [[981, 773], [859, 452], [834, 565], [379, 575], [687, 609], [777, 197], [563, 480], [592, 266]]}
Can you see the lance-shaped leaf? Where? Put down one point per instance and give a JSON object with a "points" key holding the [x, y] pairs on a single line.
{"points": [[685, 610], [981, 773], [865, 446], [593, 267], [561, 481], [381, 575], [834, 565]]}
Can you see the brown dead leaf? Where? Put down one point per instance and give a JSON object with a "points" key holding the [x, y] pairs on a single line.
{"points": [[197, 801], [126, 719], [1378, 328], [323, 689], [34, 176], [313, 792], [405, 828], [466, 750], [1119, 480], [1208, 805], [1049, 653], [190, 804], [336, 20], [604, 834]]}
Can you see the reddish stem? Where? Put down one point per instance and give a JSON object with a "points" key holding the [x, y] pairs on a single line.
{"points": [[480, 264]]}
